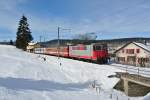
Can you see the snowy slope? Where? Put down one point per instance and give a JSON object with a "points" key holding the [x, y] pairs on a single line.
{"points": [[18, 64], [25, 76]]}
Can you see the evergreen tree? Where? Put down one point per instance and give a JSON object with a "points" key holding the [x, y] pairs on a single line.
{"points": [[23, 34]]}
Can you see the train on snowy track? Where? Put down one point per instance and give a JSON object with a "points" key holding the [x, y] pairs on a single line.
{"points": [[94, 52]]}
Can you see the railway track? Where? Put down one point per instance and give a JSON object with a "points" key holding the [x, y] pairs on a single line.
{"points": [[134, 70]]}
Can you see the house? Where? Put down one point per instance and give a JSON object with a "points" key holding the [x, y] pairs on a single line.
{"points": [[31, 46], [134, 53]]}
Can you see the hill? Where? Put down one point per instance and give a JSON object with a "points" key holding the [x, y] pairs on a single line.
{"points": [[64, 42]]}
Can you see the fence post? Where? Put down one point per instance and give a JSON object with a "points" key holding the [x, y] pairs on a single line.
{"points": [[138, 72], [126, 69], [117, 97], [111, 96]]}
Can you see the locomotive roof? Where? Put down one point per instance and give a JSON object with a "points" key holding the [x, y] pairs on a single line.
{"points": [[99, 43]]}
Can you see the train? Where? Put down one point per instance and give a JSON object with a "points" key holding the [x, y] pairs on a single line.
{"points": [[94, 52]]}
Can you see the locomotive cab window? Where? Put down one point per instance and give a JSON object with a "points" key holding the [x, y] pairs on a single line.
{"points": [[100, 47], [97, 48], [104, 47]]}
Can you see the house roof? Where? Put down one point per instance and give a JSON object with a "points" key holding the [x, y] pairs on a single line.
{"points": [[32, 43], [146, 47], [143, 46]]}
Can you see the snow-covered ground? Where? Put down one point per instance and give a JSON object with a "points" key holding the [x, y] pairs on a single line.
{"points": [[26, 76]]}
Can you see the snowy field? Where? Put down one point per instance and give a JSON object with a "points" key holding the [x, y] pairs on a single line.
{"points": [[26, 76]]}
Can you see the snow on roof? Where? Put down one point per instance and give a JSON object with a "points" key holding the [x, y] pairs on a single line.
{"points": [[31, 43], [146, 47]]}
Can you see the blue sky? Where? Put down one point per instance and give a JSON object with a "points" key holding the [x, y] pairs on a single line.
{"points": [[108, 18]]}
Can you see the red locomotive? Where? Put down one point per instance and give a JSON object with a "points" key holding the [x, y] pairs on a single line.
{"points": [[95, 52]]}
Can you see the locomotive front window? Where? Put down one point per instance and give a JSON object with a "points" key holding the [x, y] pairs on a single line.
{"points": [[100, 47], [97, 48], [105, 47]]}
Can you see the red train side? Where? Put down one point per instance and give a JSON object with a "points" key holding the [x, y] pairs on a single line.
{"points": [[94, 52], [62, 51]]}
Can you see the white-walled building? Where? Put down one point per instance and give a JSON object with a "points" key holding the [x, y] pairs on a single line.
{"points": [[134, 53], [31, 46]]}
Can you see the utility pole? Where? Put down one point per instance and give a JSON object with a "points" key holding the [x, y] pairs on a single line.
{"points": [[40, 39], [58, 33], [58, 42], [40, 43], [44, 39]]}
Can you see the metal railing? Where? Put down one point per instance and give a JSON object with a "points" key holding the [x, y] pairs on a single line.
{"points": [[136, 70]]}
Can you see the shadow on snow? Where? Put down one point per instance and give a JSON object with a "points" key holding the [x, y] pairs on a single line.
{"points": [[40, 85]]}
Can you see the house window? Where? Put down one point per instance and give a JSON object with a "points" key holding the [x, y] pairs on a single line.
{"points": [[123, 51], [140, 60], [121, 59], [131, 58], [137, 50], [130, 51], [146, 59]]}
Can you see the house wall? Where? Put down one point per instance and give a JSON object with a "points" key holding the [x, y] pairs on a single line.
{"points": [[30, 48], [142, 54]]}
